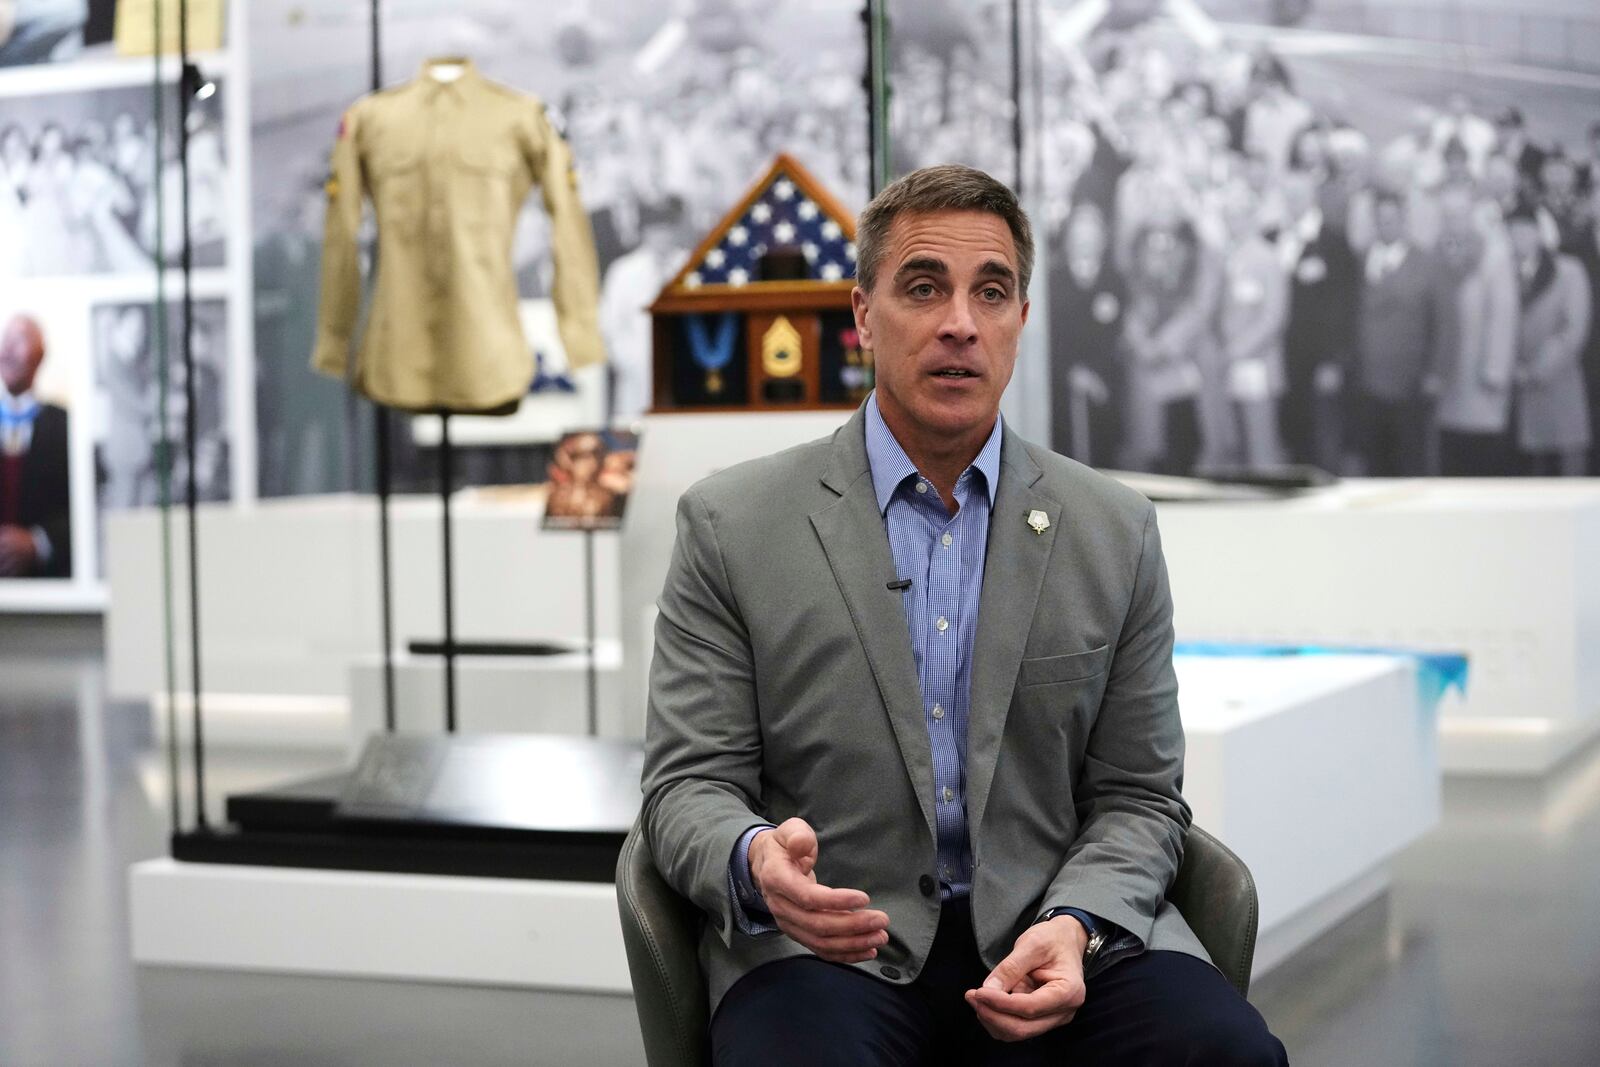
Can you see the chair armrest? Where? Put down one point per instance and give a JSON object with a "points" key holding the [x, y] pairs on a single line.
{"points": [[1216, 894], [661, 932]]}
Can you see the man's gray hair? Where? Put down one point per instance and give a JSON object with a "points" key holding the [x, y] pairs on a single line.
{"points": [[947, 187]]}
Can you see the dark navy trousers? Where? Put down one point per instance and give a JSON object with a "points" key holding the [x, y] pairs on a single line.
{"points": [[1159, 1008]]}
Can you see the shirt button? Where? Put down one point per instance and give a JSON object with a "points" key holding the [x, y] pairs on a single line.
{"points": [[941, 624], [922, 487], [949, 794], [938, 711], [946, 540]]}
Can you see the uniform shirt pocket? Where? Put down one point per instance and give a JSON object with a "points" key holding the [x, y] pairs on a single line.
{"points": [[483, 184], [1045, 670], [396, 179]]}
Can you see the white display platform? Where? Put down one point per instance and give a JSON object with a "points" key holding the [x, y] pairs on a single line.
{"points": [[256, 721], [289, 593], [494, 694], [484, 931], [1503, 571], [1316, 770]]}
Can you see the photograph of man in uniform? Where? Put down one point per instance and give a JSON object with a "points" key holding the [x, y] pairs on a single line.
{"points": [[35, 508]]}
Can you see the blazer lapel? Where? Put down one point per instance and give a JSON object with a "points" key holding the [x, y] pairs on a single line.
{"points": [[857, 546], [1012, 575]]}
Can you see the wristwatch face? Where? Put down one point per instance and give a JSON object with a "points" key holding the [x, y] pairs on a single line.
{"points": [[1093, 947]]}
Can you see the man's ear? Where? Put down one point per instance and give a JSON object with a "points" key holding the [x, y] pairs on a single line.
{"points": [[1026, 304], [858, 305]]}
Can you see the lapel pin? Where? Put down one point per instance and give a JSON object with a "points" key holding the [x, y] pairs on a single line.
{"points": [[1038, 521]]}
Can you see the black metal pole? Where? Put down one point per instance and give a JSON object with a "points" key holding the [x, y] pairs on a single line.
{"points": [[877, 86], [188, 84], [446, 464], [383, 459], [593, 676], [158, 327], [1016, 94]]}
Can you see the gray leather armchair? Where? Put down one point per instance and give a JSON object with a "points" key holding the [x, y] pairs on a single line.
{"points": [[661, 930]]}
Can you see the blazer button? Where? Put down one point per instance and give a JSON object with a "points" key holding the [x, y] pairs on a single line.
{"points": [[889, 971], [926, 884]]}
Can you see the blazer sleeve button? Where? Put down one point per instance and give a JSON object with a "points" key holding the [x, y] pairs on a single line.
{"points": [[927, 885]]}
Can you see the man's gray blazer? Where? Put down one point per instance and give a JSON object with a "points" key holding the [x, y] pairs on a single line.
{"points": [[783, 685]]}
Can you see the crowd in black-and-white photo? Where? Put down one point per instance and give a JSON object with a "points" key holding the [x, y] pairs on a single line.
{"points": [[1243, 279], [79, 189]]}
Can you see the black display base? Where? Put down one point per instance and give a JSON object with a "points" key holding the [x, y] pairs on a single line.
{"points": [[515, 806], [559, 858]]}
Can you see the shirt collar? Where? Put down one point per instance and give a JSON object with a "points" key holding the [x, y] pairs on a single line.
{"points": [[891, 466], [17, 405]]}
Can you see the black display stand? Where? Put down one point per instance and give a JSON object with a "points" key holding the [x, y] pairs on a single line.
{"points": [[449, 649], [381, 431], [500, 806]]}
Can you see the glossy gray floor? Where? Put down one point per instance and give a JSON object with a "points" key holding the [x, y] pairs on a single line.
{"points": [[1486, 952]]}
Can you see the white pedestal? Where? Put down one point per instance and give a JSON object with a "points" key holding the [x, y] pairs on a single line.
{"points": [[290, 597], [483, 931], [1502, 571], [256, 721], [494, 694], [1316, 770]]}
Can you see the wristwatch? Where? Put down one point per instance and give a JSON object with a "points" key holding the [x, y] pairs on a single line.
{"points": [[1097, 936]]}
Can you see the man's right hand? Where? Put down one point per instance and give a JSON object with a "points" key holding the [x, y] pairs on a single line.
{"points": [[833, 923]]}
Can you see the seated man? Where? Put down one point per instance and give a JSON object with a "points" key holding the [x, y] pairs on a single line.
{"points": [[931, 806]]}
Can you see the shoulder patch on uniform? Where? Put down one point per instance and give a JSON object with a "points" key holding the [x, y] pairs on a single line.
{"points": [[347, 123]]}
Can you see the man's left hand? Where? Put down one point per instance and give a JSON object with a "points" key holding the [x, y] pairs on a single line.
{"points": [[1039, 986]]}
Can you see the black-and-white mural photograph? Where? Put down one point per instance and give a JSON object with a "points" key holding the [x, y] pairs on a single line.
{"points": [[79, 192], [1351, 235]]}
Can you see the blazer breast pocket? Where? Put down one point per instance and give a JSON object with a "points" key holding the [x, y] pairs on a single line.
{"points": [[1072, 667]]}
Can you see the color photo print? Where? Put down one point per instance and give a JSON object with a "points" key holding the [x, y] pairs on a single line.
{"points": [[591, 475], [78, 186], [1357, 236], [40, 499]]}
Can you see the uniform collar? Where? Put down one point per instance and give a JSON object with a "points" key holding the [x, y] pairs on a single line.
{"points": [[891, 466], [454, 89]]}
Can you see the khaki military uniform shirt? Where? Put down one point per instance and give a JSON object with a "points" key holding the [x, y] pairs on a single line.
{"points": [[448, 165]]}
